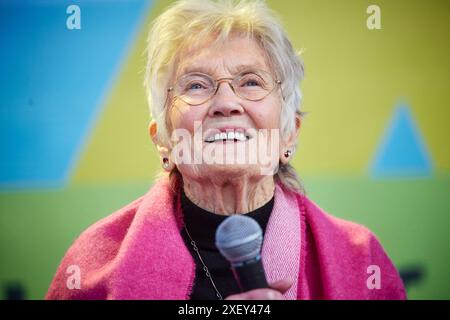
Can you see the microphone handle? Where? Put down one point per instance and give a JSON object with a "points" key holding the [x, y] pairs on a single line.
{"points": [[250, 275]]}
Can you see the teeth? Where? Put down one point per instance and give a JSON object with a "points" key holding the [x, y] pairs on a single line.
{"points": [[239, 136]]}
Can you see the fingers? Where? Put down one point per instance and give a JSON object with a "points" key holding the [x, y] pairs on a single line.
{"points": [[282, 285], [275, 292], [257, 294]]}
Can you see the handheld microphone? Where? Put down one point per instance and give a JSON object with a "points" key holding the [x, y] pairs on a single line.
{"points": [[239, 239]]}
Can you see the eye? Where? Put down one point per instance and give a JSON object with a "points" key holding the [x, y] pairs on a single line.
{"points": [[251, 80], [195, 86], [251, 83]]}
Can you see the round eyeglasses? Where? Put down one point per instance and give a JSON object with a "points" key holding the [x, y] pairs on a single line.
{"points": [[197, 88]]}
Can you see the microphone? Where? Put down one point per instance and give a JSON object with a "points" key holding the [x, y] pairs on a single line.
{"points": [[239, 239]]}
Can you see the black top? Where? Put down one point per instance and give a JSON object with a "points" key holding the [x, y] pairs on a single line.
{"points": [[202, 226]]}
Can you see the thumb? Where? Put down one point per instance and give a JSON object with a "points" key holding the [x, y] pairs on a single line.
{"points": [[282, 285]]}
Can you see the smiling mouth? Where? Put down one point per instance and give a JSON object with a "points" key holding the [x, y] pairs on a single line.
{"points": [[234, 136]]}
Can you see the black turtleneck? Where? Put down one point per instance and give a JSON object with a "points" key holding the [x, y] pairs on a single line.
{"points": [[202, 226]]}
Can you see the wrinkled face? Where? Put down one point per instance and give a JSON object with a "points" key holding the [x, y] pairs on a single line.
{"points": [[227, 134]]}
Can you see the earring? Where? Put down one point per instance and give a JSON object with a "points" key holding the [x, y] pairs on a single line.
{"points": [[288, 153], [165, 163]]}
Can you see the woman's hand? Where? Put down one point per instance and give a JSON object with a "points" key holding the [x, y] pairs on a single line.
{"points": [[274, 293]]}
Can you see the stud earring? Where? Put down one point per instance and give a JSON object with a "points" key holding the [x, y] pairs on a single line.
{"points": [[165, 163], [288, 153]]}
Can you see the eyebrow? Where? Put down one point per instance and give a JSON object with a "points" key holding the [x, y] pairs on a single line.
{"points": [[203, 69]]}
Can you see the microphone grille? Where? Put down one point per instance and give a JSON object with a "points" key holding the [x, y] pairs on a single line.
{"points": [[239, 238]]}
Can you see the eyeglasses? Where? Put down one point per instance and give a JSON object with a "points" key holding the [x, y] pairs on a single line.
{"points": [[197, 88]]}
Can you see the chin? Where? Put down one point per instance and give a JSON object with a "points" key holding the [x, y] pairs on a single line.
{"points": [[221, 171], [233, 169]]}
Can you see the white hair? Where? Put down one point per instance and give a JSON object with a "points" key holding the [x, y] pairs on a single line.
{"points": [[188, 22]]}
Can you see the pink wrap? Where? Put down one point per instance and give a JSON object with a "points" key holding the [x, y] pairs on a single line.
{"points": [[138, 253]]}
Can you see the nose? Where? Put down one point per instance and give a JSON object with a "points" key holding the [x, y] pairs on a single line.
{"points": [[225, 102]]}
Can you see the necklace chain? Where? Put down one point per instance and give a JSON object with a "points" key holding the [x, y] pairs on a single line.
{"points": [[205, 268]]}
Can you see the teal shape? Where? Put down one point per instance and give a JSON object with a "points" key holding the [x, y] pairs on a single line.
{"points": [[402, 151]]}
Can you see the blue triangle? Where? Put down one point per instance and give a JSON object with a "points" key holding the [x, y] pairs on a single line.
{"points": [[402, 152]]}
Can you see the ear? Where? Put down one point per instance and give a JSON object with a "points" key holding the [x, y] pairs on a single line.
{"points": [[289, 144], [164, 152], [152, 130]]}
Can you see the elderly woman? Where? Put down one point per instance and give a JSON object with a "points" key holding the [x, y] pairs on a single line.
{"points": [[223, 87]]}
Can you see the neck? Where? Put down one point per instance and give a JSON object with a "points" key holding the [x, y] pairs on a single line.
{"points": [[241, 195]]}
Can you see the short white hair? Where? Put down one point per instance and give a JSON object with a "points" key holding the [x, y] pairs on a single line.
{"points": [[188, 22]]}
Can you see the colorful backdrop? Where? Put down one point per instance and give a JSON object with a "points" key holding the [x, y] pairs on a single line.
{"points": [[373, 147]]}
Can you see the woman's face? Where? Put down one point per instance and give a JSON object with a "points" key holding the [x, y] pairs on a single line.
{"points": [[224, 113]]}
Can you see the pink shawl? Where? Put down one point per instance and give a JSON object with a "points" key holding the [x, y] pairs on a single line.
{"points": [[138, 253]]}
